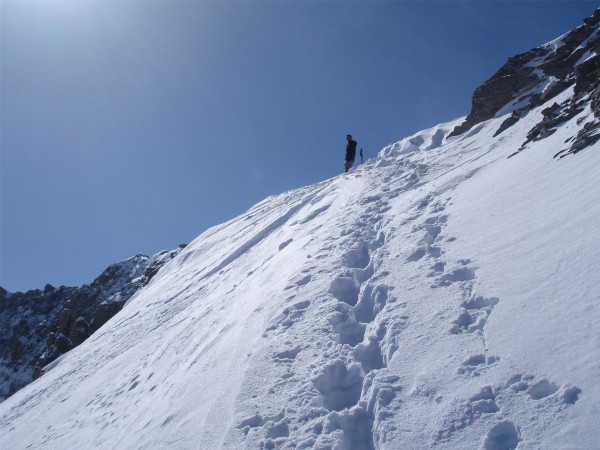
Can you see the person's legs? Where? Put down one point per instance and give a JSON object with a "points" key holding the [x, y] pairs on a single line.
{"points": [[348, 165]]}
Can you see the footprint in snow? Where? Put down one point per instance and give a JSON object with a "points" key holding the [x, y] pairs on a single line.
{"points": [[340, 385], [346, 287], [348, 330], [467, 412], [476, 364], [302, 281], [505, 435], [543, 388], [460, 274], [287, 356], [271, 427], [432, 229], [290, 315], [475, 313]]}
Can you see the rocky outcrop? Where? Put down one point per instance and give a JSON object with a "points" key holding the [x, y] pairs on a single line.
{"points": [[38, 326], [513, 79], [537, 77]]}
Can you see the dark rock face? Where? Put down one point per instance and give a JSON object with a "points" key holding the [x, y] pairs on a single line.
{"points": [[534, 78], [514, 78], [37, 327]]}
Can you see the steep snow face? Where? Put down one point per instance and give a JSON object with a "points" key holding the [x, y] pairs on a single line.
{"points": [[440, 295]]}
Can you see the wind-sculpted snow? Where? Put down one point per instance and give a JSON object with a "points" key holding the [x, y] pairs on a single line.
{"points": [[438, 296]]}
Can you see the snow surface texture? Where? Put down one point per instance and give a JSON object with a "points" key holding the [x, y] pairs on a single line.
{"points": [[438, 296]]}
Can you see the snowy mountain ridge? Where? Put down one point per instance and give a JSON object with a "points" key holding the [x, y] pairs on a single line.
{"points": [[530, 79], [38, 326], [442, 295]]}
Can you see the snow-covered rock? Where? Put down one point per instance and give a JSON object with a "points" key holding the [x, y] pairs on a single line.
{"points": [[534, 78], [38, 326]]}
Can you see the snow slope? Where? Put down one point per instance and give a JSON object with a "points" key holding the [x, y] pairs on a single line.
{"points": [[442, 295]]}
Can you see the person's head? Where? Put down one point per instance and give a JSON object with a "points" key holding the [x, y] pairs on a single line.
{"points": [[349, 137]]}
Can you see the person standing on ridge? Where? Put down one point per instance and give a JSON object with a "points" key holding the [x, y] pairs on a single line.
{"points": [[350, 152]]}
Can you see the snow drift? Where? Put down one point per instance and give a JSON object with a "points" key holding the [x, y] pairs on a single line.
{"points": [[441, 295]]}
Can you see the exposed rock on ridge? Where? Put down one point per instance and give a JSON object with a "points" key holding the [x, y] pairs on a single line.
{"points": [[514, 78], [38, 326], [536, 77]]}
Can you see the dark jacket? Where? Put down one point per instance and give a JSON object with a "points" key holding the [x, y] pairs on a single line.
{"points": [[351, 150]]}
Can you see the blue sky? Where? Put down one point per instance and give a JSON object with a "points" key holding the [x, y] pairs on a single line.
{"points": [[133, 126]]}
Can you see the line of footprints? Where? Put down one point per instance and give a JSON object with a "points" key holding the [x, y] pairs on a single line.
{"points": [[475, 311], [346, 384], [345, 403]]}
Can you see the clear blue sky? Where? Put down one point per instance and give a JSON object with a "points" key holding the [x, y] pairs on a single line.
{"points": [[133, 126]]}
